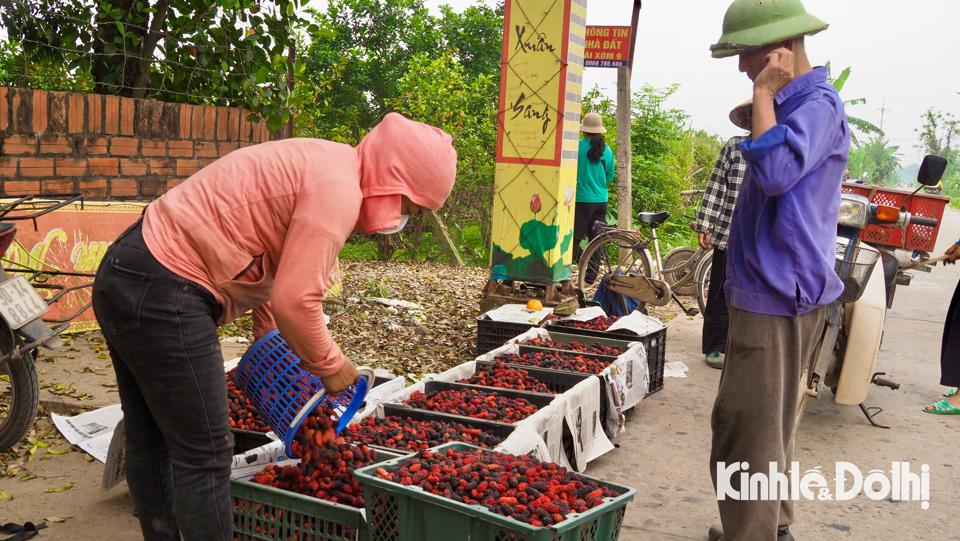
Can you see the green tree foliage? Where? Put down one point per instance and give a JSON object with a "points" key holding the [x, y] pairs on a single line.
{"points": [[440, 92], [877, 161], [361, 49], [19, 68], [356, 58], [231, 52], [858, 124], [940, 135]]}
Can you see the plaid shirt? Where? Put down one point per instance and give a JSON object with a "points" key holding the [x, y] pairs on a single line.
{"points": [[721, 194]]}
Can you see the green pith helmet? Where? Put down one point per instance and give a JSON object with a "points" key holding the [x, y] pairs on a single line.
{"points": [[750, 24]]}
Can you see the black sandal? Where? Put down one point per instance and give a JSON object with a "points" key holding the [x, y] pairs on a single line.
{"points": [[21, 532]]}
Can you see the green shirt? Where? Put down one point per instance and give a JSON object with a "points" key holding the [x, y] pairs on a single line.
{"points": [[592, 178]]}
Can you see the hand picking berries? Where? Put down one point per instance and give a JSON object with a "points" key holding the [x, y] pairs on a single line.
{"points": [[506, 377], [519, 487], [474, 403], [413, 435]]}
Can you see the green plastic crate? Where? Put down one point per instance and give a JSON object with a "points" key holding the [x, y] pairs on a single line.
{"points": [[401, 513], [264, 513]]}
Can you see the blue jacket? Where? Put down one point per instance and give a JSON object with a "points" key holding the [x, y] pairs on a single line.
{"points": [[782, 247]]}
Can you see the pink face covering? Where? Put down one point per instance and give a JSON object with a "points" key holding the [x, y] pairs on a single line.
{"points": [[403, 157]]}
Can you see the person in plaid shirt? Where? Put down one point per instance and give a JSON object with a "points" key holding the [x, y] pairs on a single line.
{"points": [[713, 226]]}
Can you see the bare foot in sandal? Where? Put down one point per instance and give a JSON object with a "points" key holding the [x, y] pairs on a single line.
{"points": [[947, 406]]}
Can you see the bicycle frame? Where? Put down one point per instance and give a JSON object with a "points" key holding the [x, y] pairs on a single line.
{"points": [[656, 251]]}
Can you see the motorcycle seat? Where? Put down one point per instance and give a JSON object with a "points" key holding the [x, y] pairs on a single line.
{"points": [[653, 218]]}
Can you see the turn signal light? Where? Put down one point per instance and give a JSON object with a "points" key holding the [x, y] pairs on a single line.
{"points": [[887, 214]]}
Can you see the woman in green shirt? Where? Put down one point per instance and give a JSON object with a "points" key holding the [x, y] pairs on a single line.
{"points": [[596, 168]]}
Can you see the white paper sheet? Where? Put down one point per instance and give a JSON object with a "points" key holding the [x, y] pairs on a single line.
{"points": [[586, 314], [396, 303], [675, 369], [231, 364], [638, 323], [378, 394], [115, 470], [246, 464], [518, 313], [524, 442], [583, 416], [90, 431]]}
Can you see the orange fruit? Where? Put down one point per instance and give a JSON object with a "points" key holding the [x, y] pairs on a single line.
{"points": [[535, 305]]}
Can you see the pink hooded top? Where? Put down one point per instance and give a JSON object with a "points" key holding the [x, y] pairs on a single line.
{"points": [[261, 227]]}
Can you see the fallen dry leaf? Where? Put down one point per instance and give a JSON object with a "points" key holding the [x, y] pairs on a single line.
{"points": [[64, 488]]}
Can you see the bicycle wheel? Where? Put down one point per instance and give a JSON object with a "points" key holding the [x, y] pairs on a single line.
{"points": [[703, 280], [614, 252], [677, 265]]}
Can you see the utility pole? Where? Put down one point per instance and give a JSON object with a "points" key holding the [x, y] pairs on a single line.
{"points": [[624, 143], [883, 112]]}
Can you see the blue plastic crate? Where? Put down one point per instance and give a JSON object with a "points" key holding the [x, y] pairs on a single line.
{"points": [[285, 394]]}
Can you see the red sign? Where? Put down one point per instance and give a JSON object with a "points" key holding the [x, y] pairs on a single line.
{"points": [[607, 47]]}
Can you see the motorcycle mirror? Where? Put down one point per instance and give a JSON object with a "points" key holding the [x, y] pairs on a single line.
{"points": [[931, 170]]}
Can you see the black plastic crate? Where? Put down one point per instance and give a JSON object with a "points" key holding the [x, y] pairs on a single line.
{"points": [[536, 349], [558, 381], [245, 440], [431, 387], [500, 430], [554, 334], [655, 343], [493, 334], [553, 325]]}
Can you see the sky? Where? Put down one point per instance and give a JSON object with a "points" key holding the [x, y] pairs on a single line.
{"points": [[902, 55]]}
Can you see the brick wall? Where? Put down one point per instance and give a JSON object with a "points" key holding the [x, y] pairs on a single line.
{"points": [[108, 147]]}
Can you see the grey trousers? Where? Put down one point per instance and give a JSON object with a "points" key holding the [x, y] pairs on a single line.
{"points": [[754, 416]]}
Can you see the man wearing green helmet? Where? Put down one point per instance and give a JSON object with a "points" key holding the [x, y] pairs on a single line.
{"points": [[780, 257]]}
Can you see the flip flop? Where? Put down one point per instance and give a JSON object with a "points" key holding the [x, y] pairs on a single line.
{"points": [[950, 394], [942, 408]]}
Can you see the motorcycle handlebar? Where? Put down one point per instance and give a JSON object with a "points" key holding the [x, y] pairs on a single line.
{"points": [[919, 220]]}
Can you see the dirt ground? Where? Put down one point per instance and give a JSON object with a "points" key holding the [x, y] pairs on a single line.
{"points": [[663, 454]]}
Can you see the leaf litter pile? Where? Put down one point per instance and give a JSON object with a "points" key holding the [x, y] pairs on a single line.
{"points": [[403, 340]]}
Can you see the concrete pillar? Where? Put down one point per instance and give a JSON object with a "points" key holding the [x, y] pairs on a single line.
{"points": [[535, 188]]}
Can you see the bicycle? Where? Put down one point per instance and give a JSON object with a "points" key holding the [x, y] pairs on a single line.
{"points": [[620, 261], [687, 269]]}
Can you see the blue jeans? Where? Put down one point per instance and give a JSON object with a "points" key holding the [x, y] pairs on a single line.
{"points": [[162, 335]]}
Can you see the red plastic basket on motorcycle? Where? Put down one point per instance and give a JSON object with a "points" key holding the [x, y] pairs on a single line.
{"points": [[918, 237]]}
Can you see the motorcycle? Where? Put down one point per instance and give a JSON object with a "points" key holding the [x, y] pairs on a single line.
{"points": [[851, 339], [23, 329]]}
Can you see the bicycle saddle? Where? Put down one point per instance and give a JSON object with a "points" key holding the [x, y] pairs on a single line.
{"points": [[653, 218]]}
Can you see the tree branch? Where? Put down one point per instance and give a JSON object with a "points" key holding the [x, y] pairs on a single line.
{"points": [[149, 46]]}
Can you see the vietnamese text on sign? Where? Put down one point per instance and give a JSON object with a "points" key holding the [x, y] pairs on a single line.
{"points": [[607, 47]]}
